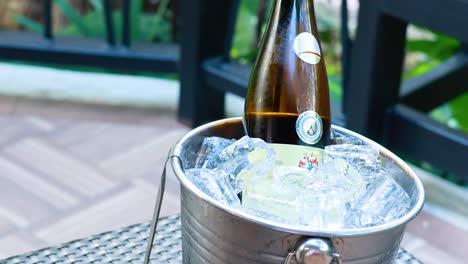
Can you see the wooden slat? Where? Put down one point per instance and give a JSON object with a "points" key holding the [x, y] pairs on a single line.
{"points": [[65, 169], [36, 185], [63, 177]]}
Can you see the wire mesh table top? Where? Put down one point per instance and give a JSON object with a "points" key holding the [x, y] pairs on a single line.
{"points": [[127, 245]]}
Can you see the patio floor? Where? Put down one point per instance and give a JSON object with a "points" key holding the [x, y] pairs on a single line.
{"points": [[69, 171]]}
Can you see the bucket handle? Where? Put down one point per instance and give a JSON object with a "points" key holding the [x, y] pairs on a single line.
{"points": [[314, 251], [157, 208]]}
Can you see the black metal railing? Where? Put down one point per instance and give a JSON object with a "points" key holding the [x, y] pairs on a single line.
{"points": [[380, 105], [108, 52]]}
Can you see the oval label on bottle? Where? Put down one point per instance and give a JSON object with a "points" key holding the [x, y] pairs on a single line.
{"points": [[307, 48], [309, 127]]}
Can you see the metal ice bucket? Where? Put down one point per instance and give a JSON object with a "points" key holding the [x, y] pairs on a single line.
{"points": [[215, 233]]}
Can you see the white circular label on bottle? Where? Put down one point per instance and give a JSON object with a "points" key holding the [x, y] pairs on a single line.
{"points": [[307, 48], [309, 127]]}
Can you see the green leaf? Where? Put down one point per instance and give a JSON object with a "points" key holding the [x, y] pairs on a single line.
{"points": [[439, 49], [73, 16], [97, 5], [459, 108], [421, 68], [153, 28], [96, 26], [437, 46], [29, 24], [162, 8], [442, 114], [156, 27]]}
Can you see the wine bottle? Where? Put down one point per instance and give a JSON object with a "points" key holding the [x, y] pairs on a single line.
{"points": [[288, 96]]}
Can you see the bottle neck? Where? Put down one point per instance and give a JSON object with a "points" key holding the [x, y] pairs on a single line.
{"points": [[305, 5], [300, 12]]}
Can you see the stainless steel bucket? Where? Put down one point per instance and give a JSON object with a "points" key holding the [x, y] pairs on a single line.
{"points": [[214, 233]]}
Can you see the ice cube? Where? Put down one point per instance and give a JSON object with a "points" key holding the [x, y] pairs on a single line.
{"points": [[316, 198], [309, 210], [364, 158], [230, 157], [330, 189], [321, 210], [338, 138], [254, 160], [232, 168], [384, 201], [239, 148], [263, 196], [210, 148], [287, 178], [214, 184], [337, 175]]}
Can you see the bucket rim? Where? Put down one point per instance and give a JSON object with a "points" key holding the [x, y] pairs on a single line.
{"points": [[293, 229]]}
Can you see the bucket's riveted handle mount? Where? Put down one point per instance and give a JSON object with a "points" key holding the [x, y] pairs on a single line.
{"points": [[314, 251], [157, 208]]}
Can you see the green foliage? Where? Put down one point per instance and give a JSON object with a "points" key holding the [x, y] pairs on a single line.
{"points": [[243, 47], [155, 27], [459, 109], [454, 113], [29, 24], [73, 16], [97, 5], [334, 82], [144, 26], [441, 47], [434, 50]]}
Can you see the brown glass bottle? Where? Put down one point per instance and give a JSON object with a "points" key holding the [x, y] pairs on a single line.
{"points": [[288, 99]]}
